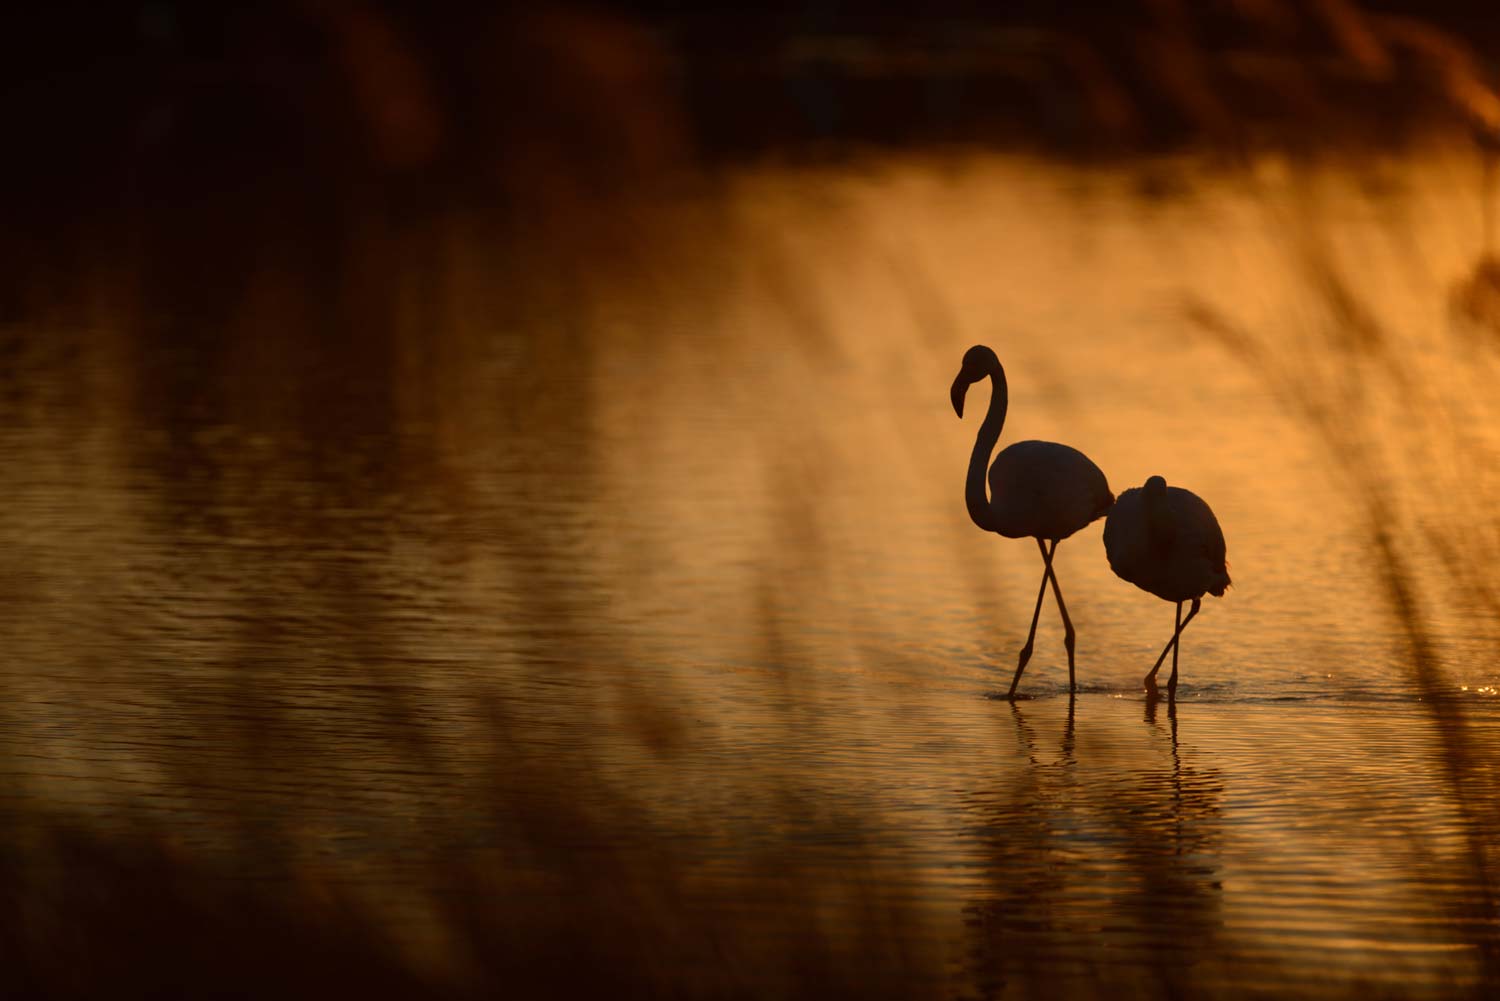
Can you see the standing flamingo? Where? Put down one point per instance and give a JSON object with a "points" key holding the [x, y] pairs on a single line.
{"points": [[1038, 489], [1166, 540]]}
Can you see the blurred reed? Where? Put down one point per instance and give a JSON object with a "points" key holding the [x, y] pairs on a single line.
{"points": [[1394, 427], [337, 257]]}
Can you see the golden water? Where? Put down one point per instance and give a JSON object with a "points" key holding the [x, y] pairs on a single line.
{"points": [[674, 519]]}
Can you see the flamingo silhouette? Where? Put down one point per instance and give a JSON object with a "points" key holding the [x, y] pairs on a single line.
{"points": [[1166, 540], [1037, 489]]}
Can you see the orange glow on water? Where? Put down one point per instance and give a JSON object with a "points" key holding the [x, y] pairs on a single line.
{"points": [[690, 537]]}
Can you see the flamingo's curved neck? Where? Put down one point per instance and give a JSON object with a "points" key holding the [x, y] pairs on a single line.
{"points": [[975, 496]]}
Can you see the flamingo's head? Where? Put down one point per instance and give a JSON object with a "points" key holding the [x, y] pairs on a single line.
{"points": [[979, 361]]}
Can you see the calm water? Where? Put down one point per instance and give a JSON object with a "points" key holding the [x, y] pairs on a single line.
{"points": [[663, 542]]}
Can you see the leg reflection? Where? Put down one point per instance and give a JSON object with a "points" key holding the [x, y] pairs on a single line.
{"points": [[1135, 847]]}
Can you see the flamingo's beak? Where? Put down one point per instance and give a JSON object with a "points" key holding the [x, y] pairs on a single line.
{"points": [[960, 389]]}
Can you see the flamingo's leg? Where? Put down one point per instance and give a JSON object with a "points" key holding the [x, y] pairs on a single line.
{"points": [[1172, 681], [1151, 675], [1068, 633], [1031, 636], [1171, 647], [1176, 646]]}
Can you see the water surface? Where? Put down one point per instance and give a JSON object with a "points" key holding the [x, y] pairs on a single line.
{"points": [[649, 544]]}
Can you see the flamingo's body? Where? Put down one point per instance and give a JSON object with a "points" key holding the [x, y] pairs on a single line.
{"points": [[1044, 490], [1037, 489], [1166, 540]]}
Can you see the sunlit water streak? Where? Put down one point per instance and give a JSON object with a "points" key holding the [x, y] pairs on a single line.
{"points": [[725, 569]]}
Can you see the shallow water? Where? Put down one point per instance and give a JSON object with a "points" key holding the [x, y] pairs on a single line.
{"points": [[686, 532]]}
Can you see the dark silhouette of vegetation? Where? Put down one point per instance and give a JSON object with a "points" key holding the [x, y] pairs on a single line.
{"points": [[1334, 378]]}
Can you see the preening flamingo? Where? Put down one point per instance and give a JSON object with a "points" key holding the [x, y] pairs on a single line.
{"points": [[1037, 489], [1166, 540]]}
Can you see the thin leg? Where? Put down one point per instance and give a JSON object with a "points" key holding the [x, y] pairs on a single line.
{"points": [[1151, 676], [1068, 634], [1031, 636], [1176, 635], [1171, 643], [1172, 681]]}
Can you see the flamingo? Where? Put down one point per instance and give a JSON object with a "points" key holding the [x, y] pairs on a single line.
{"points": [[1166, 540], [1037, 489]]}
